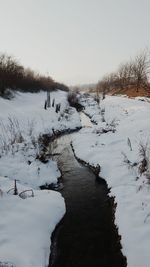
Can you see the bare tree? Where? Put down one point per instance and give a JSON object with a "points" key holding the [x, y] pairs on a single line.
{"points": [[125, 74], [133, 73], [141, 69], [107, 83], [15, 77]]}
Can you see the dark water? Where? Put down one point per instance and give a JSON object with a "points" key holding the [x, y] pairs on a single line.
{"points": [[86, 237]]}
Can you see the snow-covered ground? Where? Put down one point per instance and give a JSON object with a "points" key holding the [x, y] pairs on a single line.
{"points": [[27, 222], [28, 109], [117, 143]]}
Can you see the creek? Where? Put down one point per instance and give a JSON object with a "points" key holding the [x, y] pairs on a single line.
{"points": [[87, 235]]}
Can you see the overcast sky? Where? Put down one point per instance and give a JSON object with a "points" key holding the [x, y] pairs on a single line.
{"points": [[75, 41]]}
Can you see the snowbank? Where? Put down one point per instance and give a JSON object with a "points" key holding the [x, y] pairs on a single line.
{"points": [[28, 108], [34, 174], [118, 154], [26, 224], [24, 118]]}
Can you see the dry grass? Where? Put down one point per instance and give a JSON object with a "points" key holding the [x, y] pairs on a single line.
{"points": [[131, 92]]}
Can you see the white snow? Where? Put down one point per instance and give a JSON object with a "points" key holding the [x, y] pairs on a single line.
{"points": [[35, 174], [26, 224], [18, 160], [28, 108], [127, 118]]}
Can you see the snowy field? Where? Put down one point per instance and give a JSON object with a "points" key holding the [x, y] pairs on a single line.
{"points": [[28, 220], [120, 144]]}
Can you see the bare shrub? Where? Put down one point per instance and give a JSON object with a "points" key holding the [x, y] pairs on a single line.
{"points": [[4, 145], [14, 130], [111, 126], [130, 165], [73, 99], [97, 97], [144, 151], [10, 135], [129, 143], [142, 165], [126, 160], [31, 127]]}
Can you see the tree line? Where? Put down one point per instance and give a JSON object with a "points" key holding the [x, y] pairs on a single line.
{"points": [[133, 73], [15, 77]]}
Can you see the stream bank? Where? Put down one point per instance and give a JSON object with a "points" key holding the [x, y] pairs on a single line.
{"points": [[87, 235]]}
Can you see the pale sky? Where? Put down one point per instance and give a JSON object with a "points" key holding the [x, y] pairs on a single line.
{"points": [[74, 41]]}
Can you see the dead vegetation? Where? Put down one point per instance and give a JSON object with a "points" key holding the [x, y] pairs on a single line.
{"points": [[73, 99], [141, 165], [130, 78], [144, 153], [15, 77]]}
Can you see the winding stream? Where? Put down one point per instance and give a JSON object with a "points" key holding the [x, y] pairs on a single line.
{"points": [[87, 236]]}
